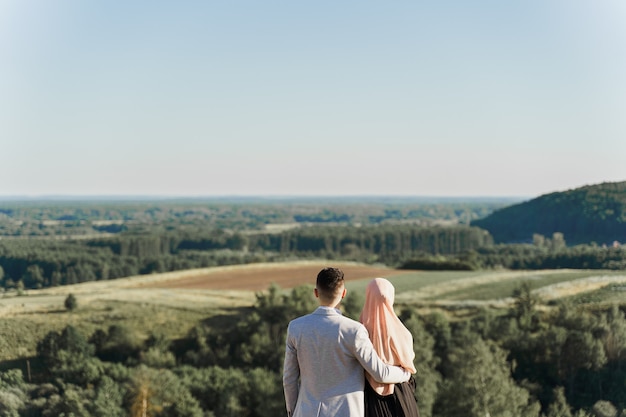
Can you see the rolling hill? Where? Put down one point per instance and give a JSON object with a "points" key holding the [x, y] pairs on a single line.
{"points": [[593, 213]]}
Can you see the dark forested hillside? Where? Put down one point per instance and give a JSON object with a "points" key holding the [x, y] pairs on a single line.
{"points": [[594, 213]]}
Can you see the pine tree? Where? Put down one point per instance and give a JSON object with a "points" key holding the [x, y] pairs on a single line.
{"points": [[478, 383], [70, 302]]}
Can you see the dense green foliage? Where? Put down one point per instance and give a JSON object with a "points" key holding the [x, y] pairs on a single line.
{"points": [[110, 239], [525, 256], [70, 302], [533, 257], [124, 238], [524, 362], [595, 213], [39, 263]]}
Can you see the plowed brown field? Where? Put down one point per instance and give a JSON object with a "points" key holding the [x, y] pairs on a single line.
{"points": [[259, 277]]}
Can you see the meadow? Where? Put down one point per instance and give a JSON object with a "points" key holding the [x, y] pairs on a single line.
{"points": [[173, 303]]}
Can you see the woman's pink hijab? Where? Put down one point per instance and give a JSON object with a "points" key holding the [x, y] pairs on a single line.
{"points": [[392, 341]]}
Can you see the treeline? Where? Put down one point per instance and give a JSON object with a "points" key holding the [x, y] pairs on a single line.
{"points": [[524, 363], [525, 256], [43, 263]]}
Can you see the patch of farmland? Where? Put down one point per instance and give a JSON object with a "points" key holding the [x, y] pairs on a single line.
{"points": [[578, 286], [538, 282], [495, 287], [258, 277], [235, 286], [197, 288]]}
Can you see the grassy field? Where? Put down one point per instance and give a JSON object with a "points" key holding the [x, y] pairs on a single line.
{"points": [[173, 303], [488, 285]]}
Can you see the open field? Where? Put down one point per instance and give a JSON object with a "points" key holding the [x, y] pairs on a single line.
{"points": [[259, 277], [235, 286], [498, 285], [173, 303], [228, 286]]}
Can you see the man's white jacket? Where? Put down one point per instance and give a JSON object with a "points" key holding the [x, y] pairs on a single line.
{"points": [[325, 359]]}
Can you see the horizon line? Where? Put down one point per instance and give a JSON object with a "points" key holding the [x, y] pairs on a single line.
{"points": [[17, 197]]}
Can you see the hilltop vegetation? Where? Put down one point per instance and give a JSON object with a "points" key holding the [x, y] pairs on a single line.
{"points": [[529, 358], [594, 213]]}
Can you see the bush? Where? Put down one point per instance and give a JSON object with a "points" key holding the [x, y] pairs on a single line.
{"points": [[70, 302]]}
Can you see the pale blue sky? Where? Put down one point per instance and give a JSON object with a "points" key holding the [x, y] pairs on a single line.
{"points": [[203, 98]]}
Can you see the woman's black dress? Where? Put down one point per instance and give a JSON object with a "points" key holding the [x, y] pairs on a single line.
{"points": [[401, 403]]}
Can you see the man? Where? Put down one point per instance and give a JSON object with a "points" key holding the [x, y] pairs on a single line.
{"points": [[328, 354]]}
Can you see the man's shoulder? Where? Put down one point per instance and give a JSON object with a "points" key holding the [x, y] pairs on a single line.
{"points": [[342, 320], [300, 319]]}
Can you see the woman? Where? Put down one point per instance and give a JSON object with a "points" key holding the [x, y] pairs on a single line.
{"points": [[394, 344]]}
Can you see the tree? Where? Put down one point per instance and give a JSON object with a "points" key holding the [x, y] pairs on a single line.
{"points": [[12, 401], [68, 355], [353, 304], [72, 402], [426, 362], [581, 351], [33, 277], [218, 390], [559, 406], [19, 288], [108, 400], [604, 409], [438, 326], [524, 306], [539, 240], [160, 393], [157, 354], [12, 395], [262, 334], [478, 383], [264, 395], [117, 345], [70, 302], [614, 337], [70, 340], [558, 241]]}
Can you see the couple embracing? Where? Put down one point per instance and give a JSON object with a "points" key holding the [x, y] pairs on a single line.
{"points": [[338, 367]]}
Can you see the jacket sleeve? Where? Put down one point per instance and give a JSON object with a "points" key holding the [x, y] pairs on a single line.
{"points": [[371, 362], [291, 375]]}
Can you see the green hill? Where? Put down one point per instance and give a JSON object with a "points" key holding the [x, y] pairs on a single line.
{"points": [[594, 213]]}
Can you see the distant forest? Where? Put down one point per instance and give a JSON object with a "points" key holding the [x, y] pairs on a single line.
{"points": [[51, 243], [38, 218]]}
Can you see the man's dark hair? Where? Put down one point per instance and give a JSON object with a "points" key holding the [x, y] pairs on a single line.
{"points": [[329, 281]]}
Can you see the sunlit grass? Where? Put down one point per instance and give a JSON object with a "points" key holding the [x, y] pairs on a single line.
{"points": [[611, 294], [175, 313], [479, 285], [22, 332], [503, 289], [415, 280]]}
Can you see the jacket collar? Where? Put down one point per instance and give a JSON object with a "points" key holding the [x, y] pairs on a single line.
{"points": [[327, 311]]}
